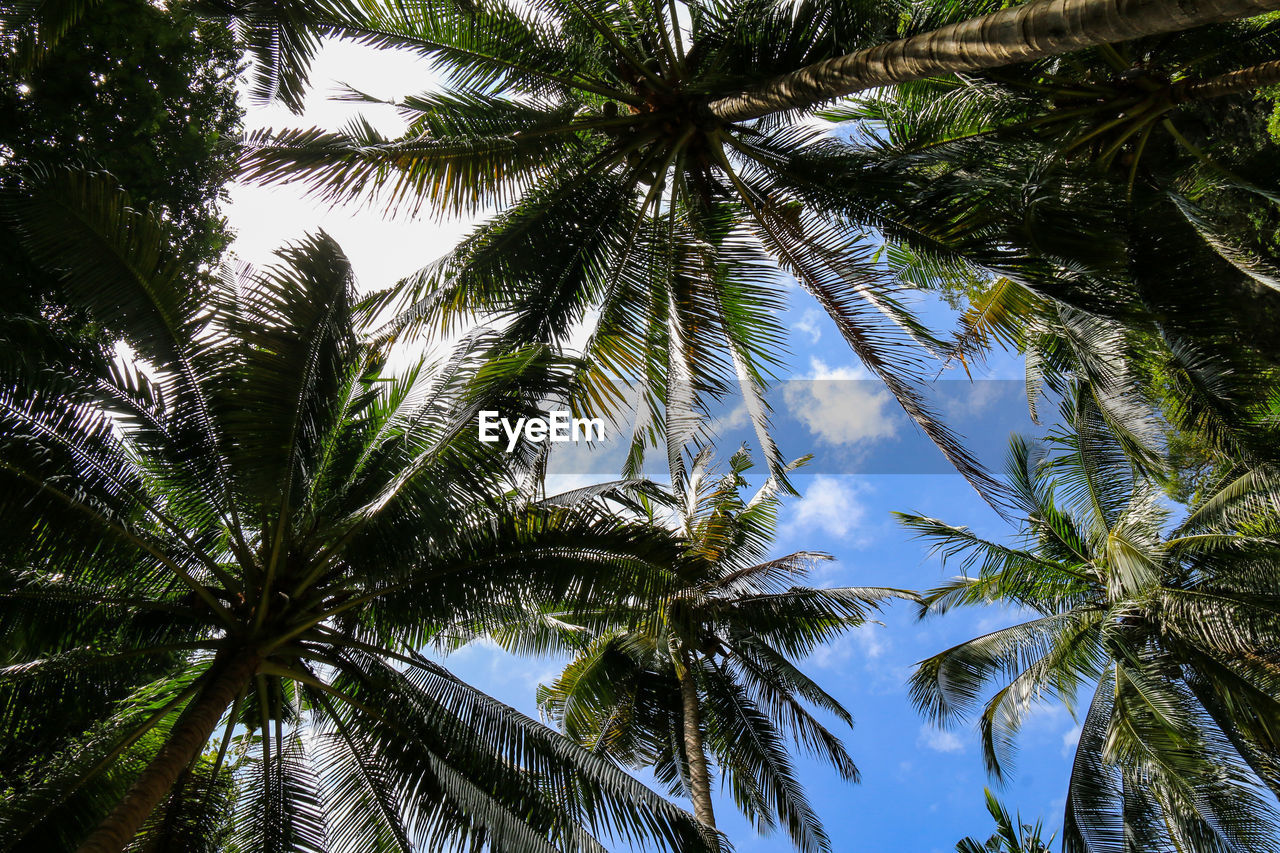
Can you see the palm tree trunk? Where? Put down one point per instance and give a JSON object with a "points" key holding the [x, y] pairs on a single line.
{"points": [[699, 776], [186, 739], [1232, 83], [1030, 31]]}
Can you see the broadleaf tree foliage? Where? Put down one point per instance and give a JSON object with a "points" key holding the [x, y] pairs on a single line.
{"points": [[143, 92]]}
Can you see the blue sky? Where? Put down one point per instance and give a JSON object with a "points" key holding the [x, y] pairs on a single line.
{"points": [[922, 789]]}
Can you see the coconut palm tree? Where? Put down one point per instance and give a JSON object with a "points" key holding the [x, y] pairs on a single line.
{"points": [[286, 38], [704, 677], [1011, 835], [1182, 418], [1003, 36], [238, 538], [1136, 181], [633, 218], [1164, 630], [1125, 226], [635, 198], [283, 38]]}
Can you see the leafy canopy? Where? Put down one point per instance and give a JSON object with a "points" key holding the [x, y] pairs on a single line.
{"points": [[729, 625], [250, 507], [1154, 626], [630, 217]]}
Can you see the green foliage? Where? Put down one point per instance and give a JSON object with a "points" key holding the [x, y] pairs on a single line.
{"points": [[732, 622], [1187, 421], [1011, 835], [146, 94], [1163, 622], [1099, 181], [1125, 235], [630, 216], [253, 484], [195, 818], [252, 494]]}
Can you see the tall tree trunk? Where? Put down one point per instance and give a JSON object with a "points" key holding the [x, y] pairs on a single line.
{"points": [[1034, 30], [186, 739], [1232, 83], [699, 776]]}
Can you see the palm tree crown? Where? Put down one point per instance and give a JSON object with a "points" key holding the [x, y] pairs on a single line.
{"points": [[704, 676], [628, 207], [1135, 181], [239, 539], [1011, 835], [1165, 622]]}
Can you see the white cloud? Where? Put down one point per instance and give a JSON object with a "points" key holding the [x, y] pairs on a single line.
{"points": [[867, 643], [737, 418], [939, 740], [385, 74], [831, 655], [830, 505], [809, 324], [972, 398], [871, 642], [1069, 740], [841, 405]]}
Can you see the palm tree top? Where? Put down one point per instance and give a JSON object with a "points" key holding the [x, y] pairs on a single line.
{"points": [[627, 210], [1158, 623], [257, 508], [702, 675], [1011, 835]]}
